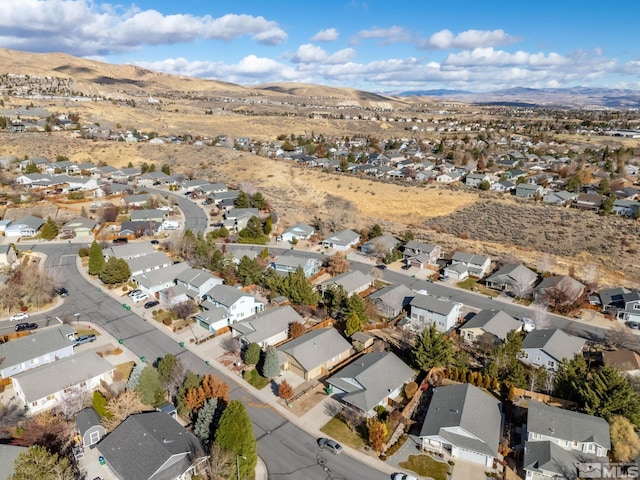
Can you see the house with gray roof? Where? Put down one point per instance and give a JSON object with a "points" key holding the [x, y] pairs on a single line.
{"points": [[354, 282], [27, 226], [516, 278], [238, 303], [151, 446], [529, 190], [40, 348], [560, 198], [300, 231], [266, 328], [548, 347], [289, 263], [79, 227], [125, 174], [382, 244], [418, 253], [127, 251], [476, 265], [465, 422], [555, 440], [151, 178], [137, 200], [148, 263], [373, 379], [199, 281], [44, 387], [489, 321], [147, 215], [315, 353], [213, 318], [558, 289], [211, 188], [427, 310], [139, 229], [392, 300], [342, 240], [630, 307]]}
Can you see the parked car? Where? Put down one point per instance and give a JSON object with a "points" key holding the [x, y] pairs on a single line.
{"points": [[139, 297], [82, 339], [331, 445], [26, 326], [155, 242], [19, 316], [402, 476], [443, 278], [63, 292], [121, 240], [527, 325], [133, 293], [151, 304], [633, 325]]}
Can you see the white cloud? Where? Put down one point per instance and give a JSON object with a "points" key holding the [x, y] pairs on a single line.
{"points": [[386, 36], [326, 35], [308, 53], [342, 56], [446, 40], [489, 57], [82, 27]]}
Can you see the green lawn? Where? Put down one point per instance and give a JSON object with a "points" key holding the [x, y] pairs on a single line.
{"points": [[337, 429], [425, 466], [255, 379]]}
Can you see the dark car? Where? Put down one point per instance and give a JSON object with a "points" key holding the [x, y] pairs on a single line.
{"points": [[26, 326], [155, 242], [151, 304], [82, 339], [63, 292], [331, 445], [121, 240]]}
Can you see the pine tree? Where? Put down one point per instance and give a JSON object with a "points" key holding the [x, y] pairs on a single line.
{"points": [[235, 433], [242, 201], [203, 428], [116, 270], [432, 349], [252, 354], [49, 230], [608, 392], [134, 377], [353, 324], [150, 389], [271, 363], [96, 259], [38, 462]]}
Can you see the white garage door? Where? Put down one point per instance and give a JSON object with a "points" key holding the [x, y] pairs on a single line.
{"points": [[472, 456]]}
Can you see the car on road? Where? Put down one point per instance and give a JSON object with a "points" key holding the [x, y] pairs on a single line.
{"points": [[633, 325], [402, 476], [120, 241], [26, 326], [331, 445], [63, 292], [527, 325], [82, 339], [151, 304], [19, 316], [155, 242]]}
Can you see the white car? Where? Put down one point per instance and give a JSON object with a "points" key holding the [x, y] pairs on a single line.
{"points": [[402, 476], [19, 316], [527, 325], [139, 297]]}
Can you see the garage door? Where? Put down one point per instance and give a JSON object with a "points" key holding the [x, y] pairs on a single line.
{"points": [[296, 369], [472, 456]]}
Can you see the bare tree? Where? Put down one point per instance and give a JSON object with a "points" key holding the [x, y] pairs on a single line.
{"points": [[120, 407], [184, 309], [10, 416], [248, 188], [352, 417], [545, 263], [540, 316], [520, 286], [10, 296], [231, 344], [175, 379], [337, 264], [620, 336], [220, 463], [72, 400], [562, 295], [549, 382], [590, 276]]}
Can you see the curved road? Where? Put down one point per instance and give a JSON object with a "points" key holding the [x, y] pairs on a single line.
{"points": [[288, 451]]}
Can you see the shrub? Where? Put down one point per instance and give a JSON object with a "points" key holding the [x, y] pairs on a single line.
{"points": [[167, 321], [83, 252]]}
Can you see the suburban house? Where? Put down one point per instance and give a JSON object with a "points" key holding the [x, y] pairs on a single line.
{"points": [[315, 353], [465, 422], [626, 208], [27, 226], [149, 263], [427, 310], [354, 282], [589, 201], [90, 428], [561, 289], [375, 378], [465, 265], [198, 281], [266, 328], [418, 254], [44, 387], [301, 231], [557, 440], [151, 178], [79, 227], [287, 264], [529, 190], [139, 229], [239, 304], [475, 179], [237, 218], [147, 215], [342, 241], [392, 300], [7, 254], [128, 251], [37, 349], [155, 280], [560, 198], [627, 361], [150, 446], [139, 200], [378, 245], [492, 322], [516, 278], [547, 347], [175, 295], [630, 307]]}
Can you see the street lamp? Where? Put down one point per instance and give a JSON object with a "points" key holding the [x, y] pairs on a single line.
{"points": [[238, 463], [77, 315]]}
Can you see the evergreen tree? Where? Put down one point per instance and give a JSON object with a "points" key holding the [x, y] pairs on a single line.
{"points": [[298, 289], [191, 381], [252, 354], [271, 363], [204, 426], [356, 306], [249, 271], [134, 377], [96, 259], [235, 434], [30, 167], [258, 201], [268, 225], [150, 388], [166, 169], [353, 324], [607, 392], [116, 270], [570, 378], [49, 230], [432, 349], [376, 231], [37, 462], [242, 201]]}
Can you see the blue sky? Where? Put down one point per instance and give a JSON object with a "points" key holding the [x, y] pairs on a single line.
{"points": [[375, 45]]}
